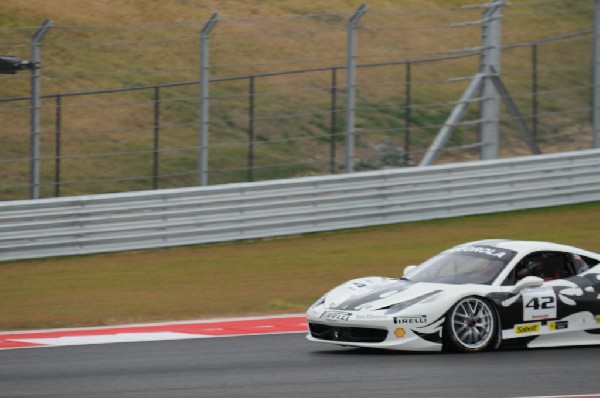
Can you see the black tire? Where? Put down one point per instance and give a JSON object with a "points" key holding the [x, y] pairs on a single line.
{"points": [[471, 326]]}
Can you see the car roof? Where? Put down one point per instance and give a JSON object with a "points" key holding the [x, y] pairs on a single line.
{"points": [[527, 246]]}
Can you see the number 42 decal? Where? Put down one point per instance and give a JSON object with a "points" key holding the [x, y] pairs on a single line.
{"points": [[539, 304], [544, 303]]}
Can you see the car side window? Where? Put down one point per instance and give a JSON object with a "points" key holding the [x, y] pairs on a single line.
{"points": [[580, 264], [583, 263], [545, 265]]}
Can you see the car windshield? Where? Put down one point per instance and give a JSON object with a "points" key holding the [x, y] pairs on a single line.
{"points": [[464, 264]]}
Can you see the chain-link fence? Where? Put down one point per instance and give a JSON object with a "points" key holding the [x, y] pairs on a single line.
{"points": [[121, 107]]}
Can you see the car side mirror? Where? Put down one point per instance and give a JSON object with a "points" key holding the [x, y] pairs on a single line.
{"points": [[527, 283], [408, 270]]}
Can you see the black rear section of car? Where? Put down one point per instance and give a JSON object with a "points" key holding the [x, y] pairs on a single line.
{"points": [[347, 334]]}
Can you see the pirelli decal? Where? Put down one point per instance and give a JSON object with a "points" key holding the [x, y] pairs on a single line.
{"points": [[528, 328]]}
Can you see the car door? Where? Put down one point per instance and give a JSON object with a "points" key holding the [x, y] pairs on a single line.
{"points": [[527, 313]]}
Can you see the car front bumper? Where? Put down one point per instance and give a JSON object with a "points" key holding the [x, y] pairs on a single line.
{"points": [[367, 330]]}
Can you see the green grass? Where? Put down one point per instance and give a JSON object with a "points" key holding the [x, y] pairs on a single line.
{"points": [[283, 275]]}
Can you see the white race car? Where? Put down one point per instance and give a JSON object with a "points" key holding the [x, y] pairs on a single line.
{"points": [[472, 297]]}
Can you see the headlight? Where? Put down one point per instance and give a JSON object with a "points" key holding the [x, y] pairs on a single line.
{"points": [[392, 309], [319, 301]]}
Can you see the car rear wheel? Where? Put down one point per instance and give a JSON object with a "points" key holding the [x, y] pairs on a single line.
{"points": [[471, 325]]}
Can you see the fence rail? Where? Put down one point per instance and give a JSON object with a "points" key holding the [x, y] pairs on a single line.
{"points": [[164, 218]]}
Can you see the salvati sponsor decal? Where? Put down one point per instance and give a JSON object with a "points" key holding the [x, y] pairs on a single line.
{"points": [[410, 319], [539, 303], [558, 325], [528, 328], [336, 316]]}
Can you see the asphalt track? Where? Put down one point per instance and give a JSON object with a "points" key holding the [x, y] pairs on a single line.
{"points": [[287, 366]]}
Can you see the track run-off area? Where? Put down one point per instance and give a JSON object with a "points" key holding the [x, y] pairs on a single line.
{"points": [[155, 332], [269, 357]]}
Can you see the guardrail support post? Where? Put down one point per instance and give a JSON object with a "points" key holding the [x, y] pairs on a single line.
{"points": [[36, 87], [351, 87], [204, 100]]}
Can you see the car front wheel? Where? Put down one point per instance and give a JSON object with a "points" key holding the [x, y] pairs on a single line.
{"points": [[471, 325]]}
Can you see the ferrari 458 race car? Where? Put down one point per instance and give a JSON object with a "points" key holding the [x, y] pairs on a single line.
{"points": [[475, 296]]}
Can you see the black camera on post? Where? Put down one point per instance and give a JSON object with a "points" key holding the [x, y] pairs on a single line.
{"points": [[10, 65]]}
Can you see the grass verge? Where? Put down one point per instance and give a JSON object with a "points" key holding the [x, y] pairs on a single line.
{"points": [[282, 275]]}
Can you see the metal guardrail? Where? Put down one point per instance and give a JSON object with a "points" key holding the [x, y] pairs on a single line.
{"points": [[163, 218]]}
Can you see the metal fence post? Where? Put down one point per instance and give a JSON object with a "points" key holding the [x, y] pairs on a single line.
{"points": [[351, 86], [490, 60], [596, 78], [203, 117], [57, 144], [407, 114], [36, 74], [251, 129], [534, 91], [333, 125], [156, 138]]}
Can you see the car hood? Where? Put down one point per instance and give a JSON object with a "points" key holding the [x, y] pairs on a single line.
{"points": [[379, 293]]}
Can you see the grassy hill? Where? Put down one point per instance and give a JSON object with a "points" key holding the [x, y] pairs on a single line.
{"points": [[107, 139]]}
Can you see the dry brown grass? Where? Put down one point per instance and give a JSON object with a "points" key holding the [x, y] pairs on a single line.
{"points": [[256, 44]]}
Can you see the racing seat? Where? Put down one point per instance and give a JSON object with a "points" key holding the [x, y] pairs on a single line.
{"points": [[548, 266], [552, 268]]}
